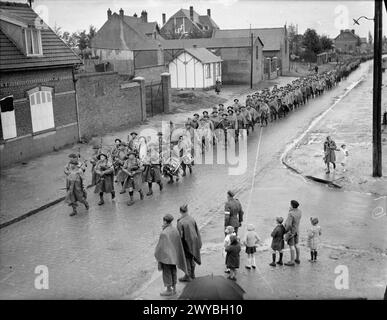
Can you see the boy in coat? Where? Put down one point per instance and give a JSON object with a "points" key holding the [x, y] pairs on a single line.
{"points": [[278, 243], [169, 254]]}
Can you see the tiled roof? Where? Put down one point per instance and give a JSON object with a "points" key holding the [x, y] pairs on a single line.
{"points": [[208, 21], [55, 51], [206, 43], [203, 55], [142, 27], [271, 37]]}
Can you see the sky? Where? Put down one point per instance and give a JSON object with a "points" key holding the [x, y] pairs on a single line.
{"points": [[326, 17]]}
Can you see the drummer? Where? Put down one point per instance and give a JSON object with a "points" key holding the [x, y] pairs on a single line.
{"points": [[133, 142]]}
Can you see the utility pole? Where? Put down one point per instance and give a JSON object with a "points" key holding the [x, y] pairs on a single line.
{"points": [[252, 61], [377, 93]]}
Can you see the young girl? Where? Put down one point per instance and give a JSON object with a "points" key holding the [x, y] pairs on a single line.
{"points": [[228, 232], [251, 240], [278, 243], [233, 257], [314, 234]]}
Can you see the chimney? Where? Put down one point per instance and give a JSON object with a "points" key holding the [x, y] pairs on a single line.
{"points": [[353, 31], [164, 18], [341, 31], [121, 13], [135, 15], [191, 13], [109, 14], [144, 16], [209, 12]]}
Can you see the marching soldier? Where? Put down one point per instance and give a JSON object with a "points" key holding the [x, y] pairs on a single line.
{"points": [[152, 170], [133, 169], [75, 187], [81, 165], [104, 177]]}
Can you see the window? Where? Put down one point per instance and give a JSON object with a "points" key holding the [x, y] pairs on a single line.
{"points": [[256, 52], [217, 69], [207, 71], [42, 114], [8, 123], [33, 42]]}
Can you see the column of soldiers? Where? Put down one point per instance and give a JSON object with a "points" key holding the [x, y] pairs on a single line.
{"points": [[125, 165]]}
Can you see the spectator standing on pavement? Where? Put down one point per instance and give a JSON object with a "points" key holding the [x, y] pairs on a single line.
{"points": [[169, 254], [251, 241], [292, 224], [192, 242], [344, 157], [329, 153], [217, 86], [233, 257], [314, 234], [233, 212], [316, 68], [278, 243]]}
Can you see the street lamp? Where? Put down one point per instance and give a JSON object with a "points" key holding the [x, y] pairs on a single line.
{"points": [[377, 90]]}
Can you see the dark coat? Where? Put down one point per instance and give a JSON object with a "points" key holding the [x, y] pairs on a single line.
{"points": [[235, 217], [190, 236], [278, 242], [232, 257], [104, 177], [74, 188], [169, 249]]}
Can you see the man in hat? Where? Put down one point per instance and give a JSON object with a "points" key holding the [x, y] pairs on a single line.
{"points": [[132, 167], [80, 165], [104, 177], [236, 104], [192, 242], [75, 188], [292, 224], [233, 212], [195, 121], [134, 142], [169, 254], [152, 171]]}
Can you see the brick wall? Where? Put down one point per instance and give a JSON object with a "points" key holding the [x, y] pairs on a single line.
{"points": [[26, 145], [107, 103]]}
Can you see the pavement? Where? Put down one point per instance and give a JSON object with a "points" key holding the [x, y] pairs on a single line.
{"points": [[348, 121], [29, 187]]}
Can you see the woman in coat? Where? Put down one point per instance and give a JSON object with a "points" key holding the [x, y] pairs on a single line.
{"points": [[329, 153]]}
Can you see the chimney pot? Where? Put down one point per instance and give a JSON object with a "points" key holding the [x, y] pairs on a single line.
{"points": [[109, 14], [353, 31], [164, 18], [121, 13], [144, 16], [191, 13], [135, 15], [209, 12]]}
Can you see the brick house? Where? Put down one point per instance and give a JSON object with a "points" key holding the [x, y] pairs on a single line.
{"points": [[347, 41], [188, 22], [130, 45], [37, 92], [275, 40], [237, 54]]}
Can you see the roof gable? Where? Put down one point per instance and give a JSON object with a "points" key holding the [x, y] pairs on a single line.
{"points": [[271, 37], [55, 51], [203, 55], [346, 35]]}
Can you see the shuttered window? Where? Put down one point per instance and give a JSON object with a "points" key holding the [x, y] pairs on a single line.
{"points": [[42, 113]]}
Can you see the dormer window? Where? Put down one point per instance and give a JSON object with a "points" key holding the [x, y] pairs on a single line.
{"points": [[33, 42]]}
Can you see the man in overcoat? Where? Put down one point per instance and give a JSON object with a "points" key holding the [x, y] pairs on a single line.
{"points": [[292, 225], [75, 191], [192, 242], [169, 254], [233, 212]]}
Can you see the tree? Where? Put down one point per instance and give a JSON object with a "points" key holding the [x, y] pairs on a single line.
{"points": [[82, 40], [91, 35], [325, 43], [311, 41]]}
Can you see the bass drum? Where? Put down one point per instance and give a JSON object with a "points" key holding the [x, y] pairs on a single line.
{"points": [[172, 166]]}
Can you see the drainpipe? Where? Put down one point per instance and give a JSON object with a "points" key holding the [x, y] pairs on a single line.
{"points": [[76, 105]]}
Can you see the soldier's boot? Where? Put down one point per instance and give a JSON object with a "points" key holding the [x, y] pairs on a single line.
{"points": [[131, 201], [190, 169], [168, 292], [141, 194], [101, 201], [150, 192], [74, 211], [161, 186]]}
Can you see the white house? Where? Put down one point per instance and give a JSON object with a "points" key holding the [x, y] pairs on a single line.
{"points": [[195, 68]]}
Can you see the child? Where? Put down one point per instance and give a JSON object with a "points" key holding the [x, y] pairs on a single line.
{"points": [[232, 257], [229, 232], [251, 240], [314, 234], [278, 243], [345, 154]]}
